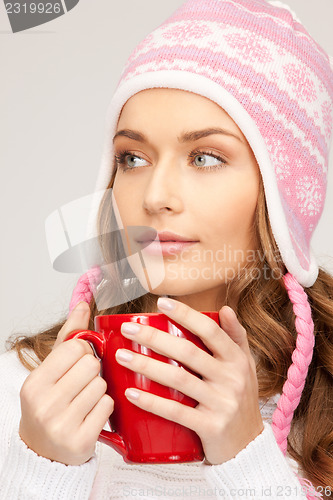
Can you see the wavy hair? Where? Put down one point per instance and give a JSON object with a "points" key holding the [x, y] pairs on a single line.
{"points": [[264, 309]]}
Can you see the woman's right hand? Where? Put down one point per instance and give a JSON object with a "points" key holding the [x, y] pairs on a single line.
{"points": [[63, 402]]}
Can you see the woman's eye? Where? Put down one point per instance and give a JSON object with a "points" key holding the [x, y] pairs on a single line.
{"points": [[200, 160], [131, 161], [207, 161]]}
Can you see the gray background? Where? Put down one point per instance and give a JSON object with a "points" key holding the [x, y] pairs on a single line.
{"points": [[56, 83]]}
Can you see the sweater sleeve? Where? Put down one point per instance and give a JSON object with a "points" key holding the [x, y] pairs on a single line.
{"points": [[24, 474], [260, 470]]}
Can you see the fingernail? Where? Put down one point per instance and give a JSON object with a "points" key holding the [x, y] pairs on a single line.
{"points": [[123, 355], [132, 394], [165, 304], [130, 328]]}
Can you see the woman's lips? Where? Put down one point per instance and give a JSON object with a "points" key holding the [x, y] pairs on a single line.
{"points": [[165, 243], [167, 247]]}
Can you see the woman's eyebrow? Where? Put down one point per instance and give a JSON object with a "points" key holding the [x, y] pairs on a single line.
{"points": [[186, 137]]}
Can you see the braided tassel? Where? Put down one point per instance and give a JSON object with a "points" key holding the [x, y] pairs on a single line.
{"points": [[311, 493], [85, 287], [297, 372]]}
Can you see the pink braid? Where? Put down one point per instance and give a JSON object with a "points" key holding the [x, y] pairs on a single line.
{"points": [[86, 287], [297, 372]]}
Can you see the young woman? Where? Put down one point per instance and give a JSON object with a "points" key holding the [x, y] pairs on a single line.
{"points": [[208, 143]]}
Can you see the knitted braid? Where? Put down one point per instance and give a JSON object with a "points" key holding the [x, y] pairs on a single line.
{"points": [[297, 372], [85, 287], [302, 355]]}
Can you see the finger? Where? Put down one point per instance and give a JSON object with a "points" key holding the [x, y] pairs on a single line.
{"points": [[233, 328], [96, 419], [59, 361], [75, 380], [176, 348], [78, 320], [166, 374], [166, 408], [217, 341], [86, 400]]}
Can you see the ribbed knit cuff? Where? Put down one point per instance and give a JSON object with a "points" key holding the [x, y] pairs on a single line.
{"points": [[25, 475], [260, 470]]}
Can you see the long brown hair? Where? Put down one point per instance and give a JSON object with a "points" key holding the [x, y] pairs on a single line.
{"points": [[264, 309]]}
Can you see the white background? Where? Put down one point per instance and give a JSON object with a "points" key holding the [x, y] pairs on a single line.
{"points": [[56, 82]]}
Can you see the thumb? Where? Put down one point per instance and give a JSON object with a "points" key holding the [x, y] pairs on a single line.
{"points": [[77, 320], [233, 328]]}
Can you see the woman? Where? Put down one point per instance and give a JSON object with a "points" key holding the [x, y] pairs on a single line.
{"points": [[224, 65]]}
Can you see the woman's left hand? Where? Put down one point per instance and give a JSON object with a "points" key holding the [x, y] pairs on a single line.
{"points": [[227, 417]]}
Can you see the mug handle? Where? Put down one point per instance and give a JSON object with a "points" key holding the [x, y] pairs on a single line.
{"points": [[97, 342]]}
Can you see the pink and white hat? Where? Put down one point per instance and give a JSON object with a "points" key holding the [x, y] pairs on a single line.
{"points": [[256, 60]]}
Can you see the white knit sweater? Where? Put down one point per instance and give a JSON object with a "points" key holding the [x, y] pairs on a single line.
{"points": [[259, 471]]}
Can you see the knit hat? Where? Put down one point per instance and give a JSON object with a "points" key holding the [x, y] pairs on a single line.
{"points": [[256, 60]]}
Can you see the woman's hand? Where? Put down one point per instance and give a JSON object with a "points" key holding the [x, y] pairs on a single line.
{"points": [[227, 417], [63, 401]]}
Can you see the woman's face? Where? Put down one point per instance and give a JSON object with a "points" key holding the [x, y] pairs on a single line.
{"points": [[201, 186]]}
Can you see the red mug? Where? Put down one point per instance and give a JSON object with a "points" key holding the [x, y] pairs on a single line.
{"points": [[138, 435]]}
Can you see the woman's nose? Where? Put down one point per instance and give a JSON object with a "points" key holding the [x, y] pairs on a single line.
{"points": [[163, 191]]}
